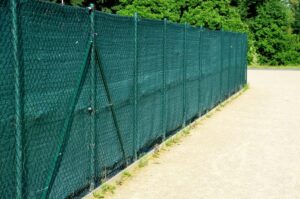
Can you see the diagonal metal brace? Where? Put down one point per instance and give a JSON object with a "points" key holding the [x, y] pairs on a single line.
{"points": [[65, 131], [110, 103]]}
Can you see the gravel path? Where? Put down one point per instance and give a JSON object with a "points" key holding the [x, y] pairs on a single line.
{"points": [[250, 149]]}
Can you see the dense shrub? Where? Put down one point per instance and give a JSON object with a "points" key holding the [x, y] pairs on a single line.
{"points": [[274, 44]]}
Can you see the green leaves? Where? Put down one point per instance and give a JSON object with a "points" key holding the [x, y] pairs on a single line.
{"points": [[275, 45], [153, 9], [296, 25], [268, 23]]}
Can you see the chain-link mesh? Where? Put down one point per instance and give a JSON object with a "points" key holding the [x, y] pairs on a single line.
{"points": [[84, 93], [7, 104], [192, 64], [174, 55], [115, 42], [150, 80], [54, 39]]}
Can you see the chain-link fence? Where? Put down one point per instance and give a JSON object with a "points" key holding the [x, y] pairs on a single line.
{"points": [[83, 93]]}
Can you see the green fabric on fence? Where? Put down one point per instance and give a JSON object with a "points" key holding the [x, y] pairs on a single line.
{"points": [[192, 71], [54, 40], [174, 54], [150, 80], [7, 104], [176, 72]]}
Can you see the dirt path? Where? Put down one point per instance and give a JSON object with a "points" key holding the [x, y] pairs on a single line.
{"points": [[250, 149]]}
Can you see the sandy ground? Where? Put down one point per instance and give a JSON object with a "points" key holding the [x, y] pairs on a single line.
{"points": [[250, 149]]}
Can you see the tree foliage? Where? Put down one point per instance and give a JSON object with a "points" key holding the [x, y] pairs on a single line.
{"points": [[275, 45], [272, 25], [296, 25], [153, 9], [214, 14]]}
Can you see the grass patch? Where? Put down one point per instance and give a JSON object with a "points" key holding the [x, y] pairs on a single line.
{"points": [[173, 140], [274, 67], [143, 162], [98, 195], [169, 142], [156, 154], [105, 189], [125, 175], [177, 138], [187, 131], [246, 87]]}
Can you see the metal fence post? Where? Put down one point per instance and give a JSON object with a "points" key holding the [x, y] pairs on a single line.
{"points": [[164, 110], [236, 64], [66, 128], [229, 66], [241, 61], [221, 70], [110, 103], [19, 103], [184, 77], [210, 77], [239, 65], [135, 122], [246, 59], [200, 73], [93, 97]]}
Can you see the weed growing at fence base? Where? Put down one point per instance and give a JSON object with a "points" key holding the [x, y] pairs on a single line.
{"points": [[143, 162], [106, 189], [125, 175]]}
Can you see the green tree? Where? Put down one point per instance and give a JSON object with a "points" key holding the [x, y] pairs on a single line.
{"points": [[110, 6], [153, 9], [296, 25], [217, 15], [214, 14], [272, 39], [269, 23], [248, 8], [69, 2]]}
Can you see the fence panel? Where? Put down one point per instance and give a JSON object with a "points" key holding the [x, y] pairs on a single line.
{"points": [[174, 67], [207, 68], [150, 80], [115, 41], [192, 62], [54, 41], [7, 104], [84, 93], [225, 63]]}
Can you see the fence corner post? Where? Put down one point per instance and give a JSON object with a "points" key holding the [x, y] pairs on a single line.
{"points": [[93, 97], [135, 82]]}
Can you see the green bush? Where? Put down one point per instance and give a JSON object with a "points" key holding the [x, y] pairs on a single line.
{"points": [[274, 44]]}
